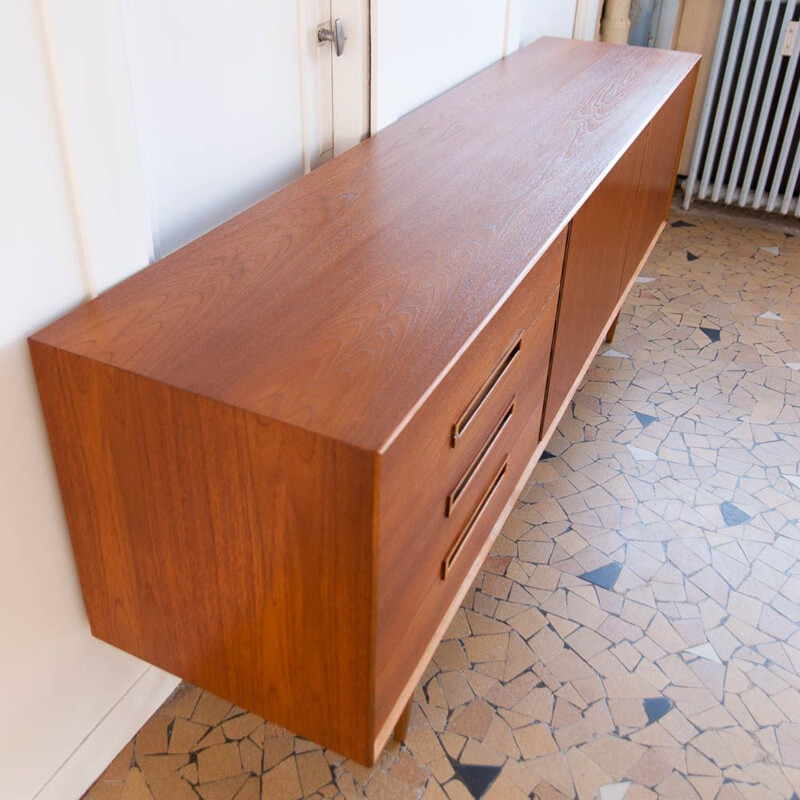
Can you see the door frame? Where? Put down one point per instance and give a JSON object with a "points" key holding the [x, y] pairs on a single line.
{"points": [[334, 90], [587, 20], [351, 75]]}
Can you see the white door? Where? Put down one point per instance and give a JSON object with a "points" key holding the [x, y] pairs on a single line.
{"points": [[234, 100]]}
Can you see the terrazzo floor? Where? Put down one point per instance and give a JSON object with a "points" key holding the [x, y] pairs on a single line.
{"points": [[635, 632]]}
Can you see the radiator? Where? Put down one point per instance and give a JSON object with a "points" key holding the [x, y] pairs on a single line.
{"points": [[747, 149]]}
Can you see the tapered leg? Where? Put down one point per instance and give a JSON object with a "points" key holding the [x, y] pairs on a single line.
{"points": [[401, 729], [612, 330]]}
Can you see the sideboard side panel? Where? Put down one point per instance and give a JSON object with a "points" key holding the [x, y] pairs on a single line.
{"points": [[230, 550]]}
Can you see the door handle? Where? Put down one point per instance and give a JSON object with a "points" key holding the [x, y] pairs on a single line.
{"points": [[336, 36]]}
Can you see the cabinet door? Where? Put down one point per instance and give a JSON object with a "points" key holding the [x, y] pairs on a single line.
{"points": [[659, 167], [592, 273]]}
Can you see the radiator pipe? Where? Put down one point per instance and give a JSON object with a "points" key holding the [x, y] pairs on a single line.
{"points": [[616, 21]]}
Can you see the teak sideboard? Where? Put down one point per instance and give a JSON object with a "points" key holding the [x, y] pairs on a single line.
{"points": [[285, 449]]}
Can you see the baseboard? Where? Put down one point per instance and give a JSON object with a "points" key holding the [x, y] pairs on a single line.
{"points": [[87, 762]]}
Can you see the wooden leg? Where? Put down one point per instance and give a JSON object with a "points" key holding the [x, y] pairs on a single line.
{"points": [[401, 729], [612, 330]]}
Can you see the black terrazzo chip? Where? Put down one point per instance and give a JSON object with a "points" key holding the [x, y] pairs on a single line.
{"points": [[476, 777], [645, 419], [656, 707], [733, 515], [712, 333], [605, 576]]}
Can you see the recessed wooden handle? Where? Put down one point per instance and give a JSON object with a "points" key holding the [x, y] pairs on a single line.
{"points": [[473, 520], [458, 492], [475, 405]]}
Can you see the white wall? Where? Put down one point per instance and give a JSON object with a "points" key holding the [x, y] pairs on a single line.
{"points": [[97, 157], [217, 99], [423, 48], [56, 681], [546, 18], [217, 120]]}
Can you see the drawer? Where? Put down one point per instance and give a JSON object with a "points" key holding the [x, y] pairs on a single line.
{"points": [[428, 486], [437, 514]]}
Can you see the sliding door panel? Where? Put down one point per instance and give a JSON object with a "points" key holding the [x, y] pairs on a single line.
{"points": [[664, 138], [592, 273]]}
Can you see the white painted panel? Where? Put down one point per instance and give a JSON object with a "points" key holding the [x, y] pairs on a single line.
{"points": [[351, 75], [217, 95], [112, 733], [336, 88], [433, 46], [92, 73], [384, 70], [56, 681], [316, 80], [546, 18]]}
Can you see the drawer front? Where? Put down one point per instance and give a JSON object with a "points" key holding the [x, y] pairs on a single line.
{"points": [[437, 515], [429, 460]]}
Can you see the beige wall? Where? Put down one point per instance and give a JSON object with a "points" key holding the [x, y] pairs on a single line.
{"points": [[697, 33]]}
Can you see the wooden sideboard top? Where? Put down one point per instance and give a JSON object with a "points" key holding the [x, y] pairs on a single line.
{"points": [[338, 303]]}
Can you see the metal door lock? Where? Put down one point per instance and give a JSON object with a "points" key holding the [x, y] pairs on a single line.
{"points": [[336, 36]]}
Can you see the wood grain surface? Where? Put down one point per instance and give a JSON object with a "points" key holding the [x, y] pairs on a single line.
{"points": [[198, 552], [598, 242], [660, 162], [316, 307]]}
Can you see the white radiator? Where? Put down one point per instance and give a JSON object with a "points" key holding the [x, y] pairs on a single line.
{"points": [[748, 144]]}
